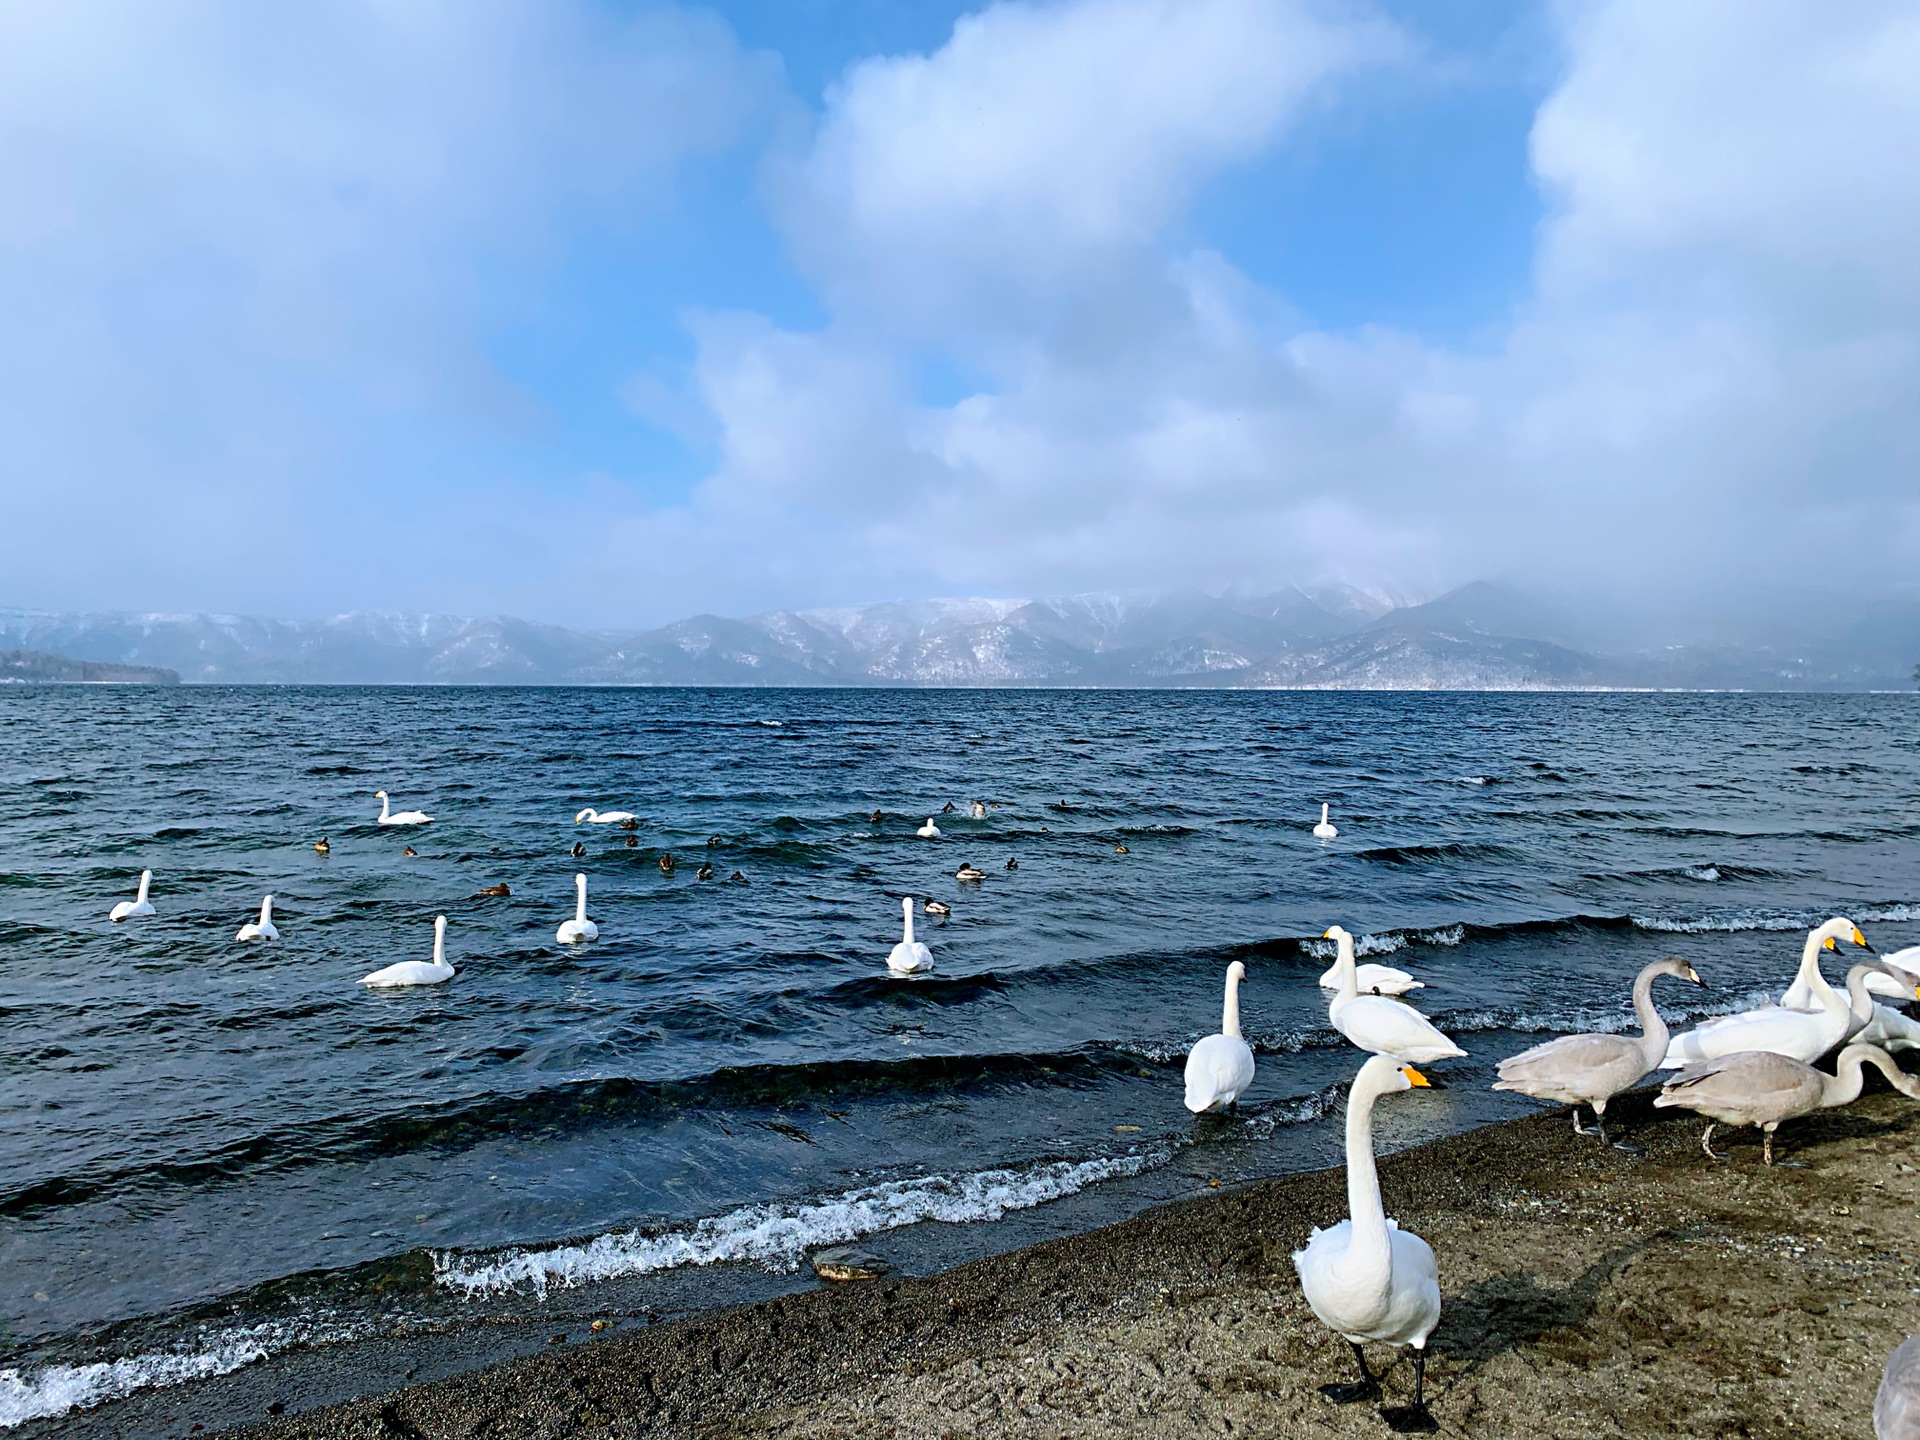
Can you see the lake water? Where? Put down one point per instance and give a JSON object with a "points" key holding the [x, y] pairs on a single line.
{"points": [[213, 1152]]}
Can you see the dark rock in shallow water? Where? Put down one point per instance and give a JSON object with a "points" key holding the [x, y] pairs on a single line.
{"points": [[848, 1262]]}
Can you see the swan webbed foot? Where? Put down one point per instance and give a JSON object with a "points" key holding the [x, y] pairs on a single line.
{"points": [[1352, 1394], [1625, 1148], [1410, 1419], [1366, 1388]]}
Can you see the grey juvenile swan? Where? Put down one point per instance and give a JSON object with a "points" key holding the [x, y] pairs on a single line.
{"points": [[1758, 1087], [1581, 1070]]}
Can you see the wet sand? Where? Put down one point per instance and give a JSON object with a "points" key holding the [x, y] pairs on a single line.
{"points": [[1587, 1293]]}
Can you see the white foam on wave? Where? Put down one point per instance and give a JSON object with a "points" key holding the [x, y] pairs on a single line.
{"points": [[1470, 780], [1707, 874], [1729, 922], [1387, 942], [778, 1236], [56, 1389]]}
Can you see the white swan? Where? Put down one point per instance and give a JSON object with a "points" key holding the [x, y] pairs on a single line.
{"points": [[572, 932], [263, 928], [929, 831], [1220, 1067], [418, 972], [1373, 1022], [405, 817], [909, 957], [1372, 979], [604, 817], [1581, 1070], [133, 909], [1758, 1087], [1798, 1034], [1366, 1278], [1325, 829]]}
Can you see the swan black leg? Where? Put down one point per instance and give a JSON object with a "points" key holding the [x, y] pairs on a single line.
{"points": [[1414, 1419], [1600, 1116], [1706, 1144], [1368, 1388]]}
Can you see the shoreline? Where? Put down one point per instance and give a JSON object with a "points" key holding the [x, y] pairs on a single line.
{"points": [[1663, 1295]]}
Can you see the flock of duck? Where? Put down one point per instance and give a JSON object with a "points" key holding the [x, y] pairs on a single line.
{"points": [[1370, 1281], [1365, 1278]]}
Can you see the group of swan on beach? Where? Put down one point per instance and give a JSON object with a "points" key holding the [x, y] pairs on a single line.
{"points": [[1370, 1281]]}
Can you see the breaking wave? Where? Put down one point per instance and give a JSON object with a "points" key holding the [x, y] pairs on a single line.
{"points": [[778, 1236]]}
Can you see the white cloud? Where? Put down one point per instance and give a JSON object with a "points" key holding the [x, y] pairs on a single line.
{"points": [[1715, 371]]}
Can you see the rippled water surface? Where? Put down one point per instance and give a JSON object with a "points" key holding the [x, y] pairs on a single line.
{"points": [[213, 1150]]}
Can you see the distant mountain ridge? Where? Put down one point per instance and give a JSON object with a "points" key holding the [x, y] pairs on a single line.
{"points": [[1478, 637], [36, 667]]}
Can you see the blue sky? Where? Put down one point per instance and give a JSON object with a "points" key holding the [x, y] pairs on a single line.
{"points": [[605, 313]]}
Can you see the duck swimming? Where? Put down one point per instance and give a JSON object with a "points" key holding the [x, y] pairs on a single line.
{"points": [[321, 847], [937, 907], [705, 872], [968, 872], [666, 863], [409, 853], [500, 891], [579, 849], [1012, 864]]}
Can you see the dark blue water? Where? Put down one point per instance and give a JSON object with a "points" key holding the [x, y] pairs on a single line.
{"points": [[212, 1151]]}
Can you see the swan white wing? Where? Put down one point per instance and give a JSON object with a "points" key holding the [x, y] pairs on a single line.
{"points": [[905, 959], [409, 972], [1219, 1070], [1803, 1035], [1416, 1290], [1386, 1027], [1891, 1030], [572, 932]]}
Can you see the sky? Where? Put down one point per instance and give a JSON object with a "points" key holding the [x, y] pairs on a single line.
{"points": [[607, 313]]}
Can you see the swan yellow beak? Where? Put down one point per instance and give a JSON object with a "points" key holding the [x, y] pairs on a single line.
{"points": [[1415, 1078], [1694, 975], [1327, 934], [1829, 944], [1861, 940]]}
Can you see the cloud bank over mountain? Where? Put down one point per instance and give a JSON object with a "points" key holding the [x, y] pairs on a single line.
{"points": [[268, 264]]}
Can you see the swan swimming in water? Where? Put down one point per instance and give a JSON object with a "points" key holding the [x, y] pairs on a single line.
{"points": [[1324, 830], [605, 817], [928, 831], [405, 817], [263, 928], [138, 906], [1373, 1022], [1803, 1035], [572, 932], [1372, 979], [909, 957], [1581, 1070], [1758, 1087], [1220, 1067], [1366, 1278], [417, 972]]}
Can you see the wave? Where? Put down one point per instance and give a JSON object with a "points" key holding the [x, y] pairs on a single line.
{"points": [[467, 1122], [52, 1390], [1387, 942], [1733, 922], [1587, 1020], [1449, 850], [778, 1236]]}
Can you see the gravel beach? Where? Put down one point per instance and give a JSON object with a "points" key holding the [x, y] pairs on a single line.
{"points": [[1587, 1293]]}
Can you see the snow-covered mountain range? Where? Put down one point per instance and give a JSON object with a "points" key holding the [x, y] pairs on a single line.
{"points": [[1479, 637]]}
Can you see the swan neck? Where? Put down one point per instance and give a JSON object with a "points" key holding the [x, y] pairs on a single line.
{"points": [[266, 910], [1370, 1247], [440, 944], [1324, 807], [1349, 968], [1844, 1086], [1859, 998], [580, 898], [1653, 1030], [1230, 1011], [1809, 972], [907, 907], [146, 878]]}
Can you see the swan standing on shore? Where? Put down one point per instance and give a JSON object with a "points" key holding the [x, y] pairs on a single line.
{"points": [[605, 817], [579, 928], [263, 928], [928, 831], [1373, 1022], [135, 908], [1325, 829], [1757, 1087], [1366, 1278], [1581, 1070], [1803, 1035], [417, 972], [405, 817], [909, 957], [1220, 1067]]}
